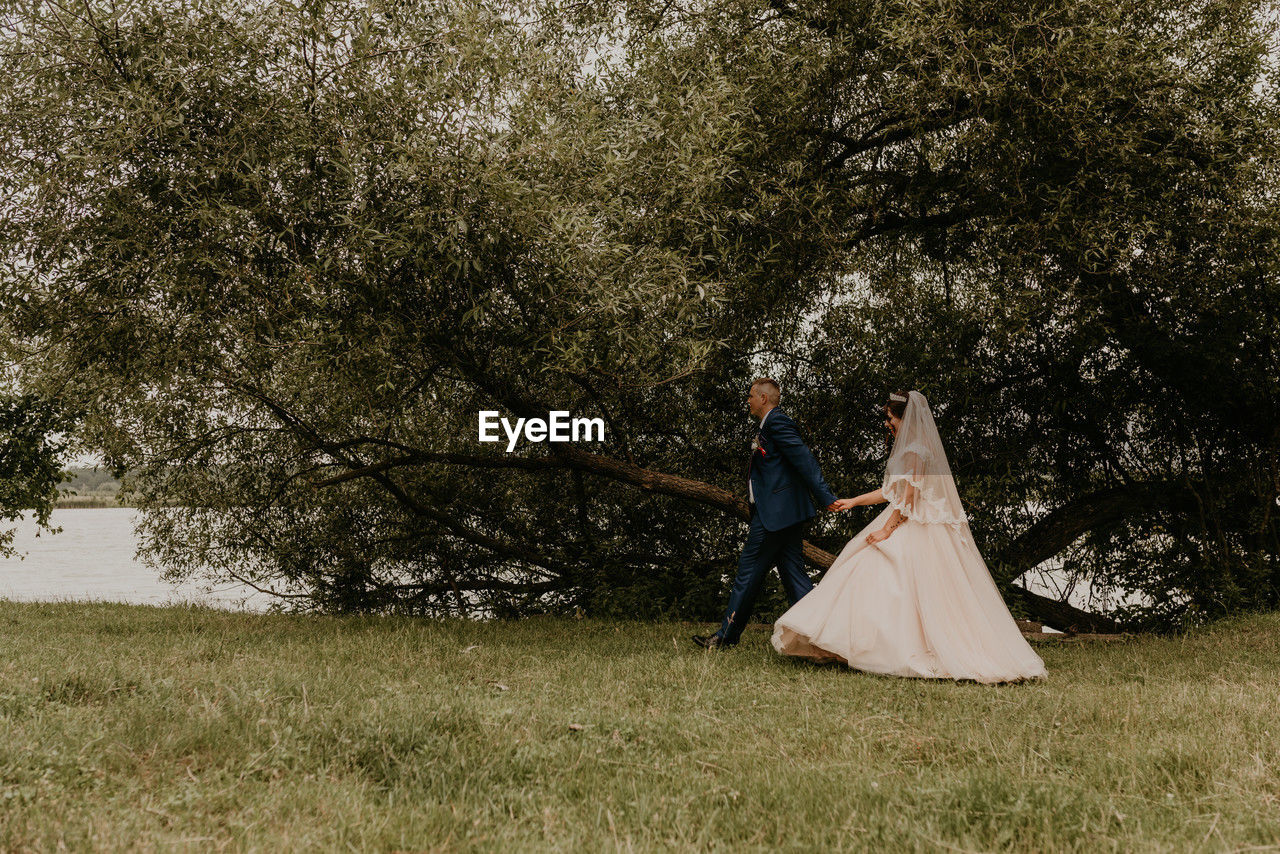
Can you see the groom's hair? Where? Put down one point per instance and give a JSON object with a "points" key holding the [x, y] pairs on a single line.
{"points": [[772, 392]]}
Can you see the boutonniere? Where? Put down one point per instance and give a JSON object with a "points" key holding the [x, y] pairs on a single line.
{"points": [[756, 446]]}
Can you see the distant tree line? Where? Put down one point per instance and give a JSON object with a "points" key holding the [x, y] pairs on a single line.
{"points": [[89, 480]]}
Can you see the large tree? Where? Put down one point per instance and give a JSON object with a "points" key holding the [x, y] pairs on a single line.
{"points": [[282, 254]]}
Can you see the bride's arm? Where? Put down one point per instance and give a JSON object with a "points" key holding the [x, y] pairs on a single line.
{"points": [[866, 499], [896, 518]]}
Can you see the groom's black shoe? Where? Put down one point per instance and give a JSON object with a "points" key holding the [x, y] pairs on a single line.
{"points": [[711, 642]]}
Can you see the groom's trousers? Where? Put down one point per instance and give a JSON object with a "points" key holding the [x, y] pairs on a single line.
{"points": [[783, 548]]}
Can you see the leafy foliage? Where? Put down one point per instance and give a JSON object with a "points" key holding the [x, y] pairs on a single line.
{"points": [[30, 470]]}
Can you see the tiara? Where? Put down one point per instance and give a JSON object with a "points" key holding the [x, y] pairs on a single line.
{"points": [[898, 397]]}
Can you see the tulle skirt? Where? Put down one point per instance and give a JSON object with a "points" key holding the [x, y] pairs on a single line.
{"points": [[921, 603]]}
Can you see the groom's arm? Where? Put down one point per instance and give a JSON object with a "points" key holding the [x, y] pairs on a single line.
{"points": [[787, 439]]}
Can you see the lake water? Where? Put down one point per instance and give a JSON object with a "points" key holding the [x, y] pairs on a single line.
{"points": [[93, 558]]}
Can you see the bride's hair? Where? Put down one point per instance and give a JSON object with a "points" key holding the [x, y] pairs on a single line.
{"points": [[897, 406], [897, 403]]}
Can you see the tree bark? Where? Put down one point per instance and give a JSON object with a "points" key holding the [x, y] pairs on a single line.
{"points": [[1064, 616], [1064, 525]]}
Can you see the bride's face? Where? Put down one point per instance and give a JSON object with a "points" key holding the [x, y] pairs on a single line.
{"points": [[891, 422]]}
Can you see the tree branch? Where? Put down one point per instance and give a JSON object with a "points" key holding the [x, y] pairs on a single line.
{"points": [[1098, 510]]}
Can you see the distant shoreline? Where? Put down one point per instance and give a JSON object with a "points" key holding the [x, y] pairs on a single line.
{"points": [[90, 488]]}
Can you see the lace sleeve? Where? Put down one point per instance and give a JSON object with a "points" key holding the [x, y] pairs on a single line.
{"points": [[914, 492]]}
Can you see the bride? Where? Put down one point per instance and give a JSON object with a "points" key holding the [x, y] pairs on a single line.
{"points": [[910, 595]]}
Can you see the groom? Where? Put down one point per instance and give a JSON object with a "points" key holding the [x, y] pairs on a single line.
{"points": [[780, 475]]}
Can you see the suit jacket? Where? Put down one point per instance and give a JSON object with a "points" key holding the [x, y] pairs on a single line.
{"points": [[783, 473]]}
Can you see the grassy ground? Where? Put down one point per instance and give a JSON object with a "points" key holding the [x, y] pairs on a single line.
{"points": [[135, 727]]}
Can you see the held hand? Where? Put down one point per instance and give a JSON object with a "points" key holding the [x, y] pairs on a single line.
{"points": [[844, 504], [834, 506], [878, 536]]}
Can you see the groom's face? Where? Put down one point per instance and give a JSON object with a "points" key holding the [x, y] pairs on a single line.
{"points": [[756, 401]]}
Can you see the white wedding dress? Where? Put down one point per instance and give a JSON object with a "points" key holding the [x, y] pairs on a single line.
{"points": [[922, 602]]}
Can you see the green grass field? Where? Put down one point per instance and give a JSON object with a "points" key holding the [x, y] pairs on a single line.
{"points": [[125, 727]]}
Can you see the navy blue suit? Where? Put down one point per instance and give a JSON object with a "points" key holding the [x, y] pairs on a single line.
{"points": [[782, 473]]}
